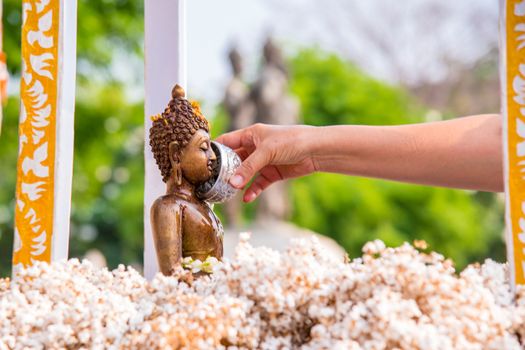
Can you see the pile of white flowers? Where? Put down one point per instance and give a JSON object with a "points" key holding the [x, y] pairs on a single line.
{"points": [[391, 298]]}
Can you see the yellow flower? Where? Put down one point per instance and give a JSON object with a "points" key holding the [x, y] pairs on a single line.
{"points": [[197, 110], [154, 118]]}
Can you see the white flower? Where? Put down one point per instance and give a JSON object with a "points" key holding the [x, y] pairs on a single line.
{"points": [[244, 236], [210, 265]]}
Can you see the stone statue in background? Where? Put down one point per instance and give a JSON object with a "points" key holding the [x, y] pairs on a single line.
{"points": [[274, 105], [241, 111], [237, 100], [196, 171], [267, 102]]}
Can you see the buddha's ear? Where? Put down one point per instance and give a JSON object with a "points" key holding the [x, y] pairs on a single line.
{"points": [[175, 162], [174, 152]]}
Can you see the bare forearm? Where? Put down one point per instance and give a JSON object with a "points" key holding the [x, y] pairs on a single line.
{"points": [[462, 153]]}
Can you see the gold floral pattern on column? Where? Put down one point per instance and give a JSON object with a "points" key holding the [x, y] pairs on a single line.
{"points": [[513, 101], [37, 132]]}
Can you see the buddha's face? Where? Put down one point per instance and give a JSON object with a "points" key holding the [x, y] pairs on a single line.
{"points": [[197, 157]]}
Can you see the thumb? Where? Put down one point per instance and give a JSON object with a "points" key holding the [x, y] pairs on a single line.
{"points": [[249, 167]]}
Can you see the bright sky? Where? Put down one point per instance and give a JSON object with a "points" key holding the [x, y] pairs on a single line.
{"points": [[418, 34]]}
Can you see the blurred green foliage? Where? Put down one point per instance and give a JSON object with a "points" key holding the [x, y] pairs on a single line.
{"points": [[463, 225], [8, 156], [108, 164], [108, 180], [105, 28]]}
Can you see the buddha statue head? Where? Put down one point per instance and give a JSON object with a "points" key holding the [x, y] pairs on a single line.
{"points": [[180, 141]]}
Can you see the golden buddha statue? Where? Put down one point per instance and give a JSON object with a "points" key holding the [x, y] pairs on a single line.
{"points": [[185, 228]]}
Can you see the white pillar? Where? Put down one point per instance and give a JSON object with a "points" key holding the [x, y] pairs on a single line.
{"points": [[165, 65], [45, 161]]}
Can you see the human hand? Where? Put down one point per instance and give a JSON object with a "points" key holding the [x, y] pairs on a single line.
{"points": [[270, 153]]}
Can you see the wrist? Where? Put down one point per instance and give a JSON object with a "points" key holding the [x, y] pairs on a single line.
{"points": [[309, 140], [330, 149]]}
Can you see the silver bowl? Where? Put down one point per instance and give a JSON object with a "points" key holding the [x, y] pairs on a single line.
{"points": [[218, 188]]}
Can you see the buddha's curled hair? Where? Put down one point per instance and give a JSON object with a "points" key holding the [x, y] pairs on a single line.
{"points": [[179, 122]]}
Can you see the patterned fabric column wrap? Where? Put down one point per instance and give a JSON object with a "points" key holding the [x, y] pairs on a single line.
{"points": [[45, 155], [512, 32]]}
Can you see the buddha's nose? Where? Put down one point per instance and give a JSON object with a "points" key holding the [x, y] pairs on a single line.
{"points": [[213, 156]]}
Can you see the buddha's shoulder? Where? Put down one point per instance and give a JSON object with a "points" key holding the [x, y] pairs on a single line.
{"points": [[168, 203]]}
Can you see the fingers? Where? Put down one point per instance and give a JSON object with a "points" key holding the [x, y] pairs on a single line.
{"points": [[242, 153], [249, 167], [258, 185], [232, 139]]}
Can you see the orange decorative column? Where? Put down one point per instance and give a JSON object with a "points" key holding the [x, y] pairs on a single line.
{"points": [[512, 51], [44, 170]]}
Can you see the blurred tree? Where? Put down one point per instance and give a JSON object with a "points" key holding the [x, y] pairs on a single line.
{"points": [[108, 181], [8, 157], [461, 224], [470, 89], [106, 28]]}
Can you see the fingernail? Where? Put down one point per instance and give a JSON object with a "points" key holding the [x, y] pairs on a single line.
{"points": [[236, 181], [249, 197]]}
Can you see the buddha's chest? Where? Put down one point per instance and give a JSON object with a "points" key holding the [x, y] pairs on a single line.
{"points": [[201, 232]]}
